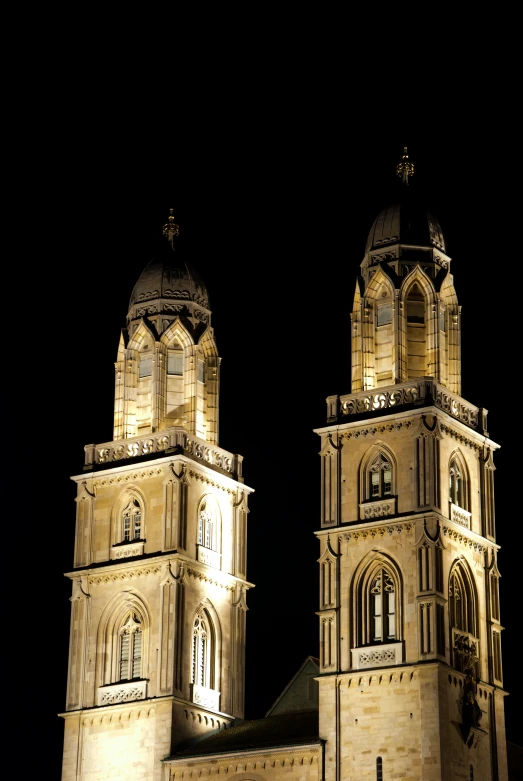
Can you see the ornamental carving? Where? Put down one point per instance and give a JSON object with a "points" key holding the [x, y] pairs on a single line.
{"points": [[377, 656], [126, 551], [207, 698], [381, 531], [377, 509], [464, 540], [128, 477], [176, 294], [112, 577], [122, 692], [371, 431], [148, 296], [459, 515]]}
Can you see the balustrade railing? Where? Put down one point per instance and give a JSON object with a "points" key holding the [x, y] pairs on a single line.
{"points": [[423, 392], [162, 443]]}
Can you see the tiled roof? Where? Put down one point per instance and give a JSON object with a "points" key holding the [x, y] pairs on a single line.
{"points": [[288, 729]]}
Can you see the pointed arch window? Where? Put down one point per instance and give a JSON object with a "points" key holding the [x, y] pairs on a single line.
{"points": [[455, 484], [130, 655], [202, 651], [383, 607], [132, 521], [207, 531], [380, 477], [463, 618], [458, 483], [377, 601]]}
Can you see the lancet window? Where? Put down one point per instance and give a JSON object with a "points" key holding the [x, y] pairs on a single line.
{"points": [[383, 607], [207, 526], [463, 618], [458, 485], [202, 650], [377, 600]]}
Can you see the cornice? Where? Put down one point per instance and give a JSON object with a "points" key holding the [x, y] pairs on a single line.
{"points": [[356, 532], [258, 759], [124, 571], [124, 473]]}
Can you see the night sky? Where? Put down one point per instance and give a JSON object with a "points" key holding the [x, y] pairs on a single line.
{"points": [[275, 218]]}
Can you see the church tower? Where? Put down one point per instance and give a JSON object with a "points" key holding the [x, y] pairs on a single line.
{"points": [[157, 639], [410, 636]]}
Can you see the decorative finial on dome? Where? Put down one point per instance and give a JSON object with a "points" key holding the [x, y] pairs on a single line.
{"points": [[405, 168], [171, 229]]}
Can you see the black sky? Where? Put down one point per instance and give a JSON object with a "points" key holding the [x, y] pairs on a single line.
{"points": [[274, 212]]}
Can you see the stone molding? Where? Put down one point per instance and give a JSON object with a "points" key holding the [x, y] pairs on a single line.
{"points": [[256, 760], [122, 692], [375, 532], [463, 539], [377, 655], [129, 477], [382, 428]]}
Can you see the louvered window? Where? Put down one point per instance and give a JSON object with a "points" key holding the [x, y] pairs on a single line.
{"points": [[131, 648], [383, 608], [200, 651]]}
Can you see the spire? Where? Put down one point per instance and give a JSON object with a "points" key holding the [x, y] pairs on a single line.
{"points": [[405, 168], [171, 229]]}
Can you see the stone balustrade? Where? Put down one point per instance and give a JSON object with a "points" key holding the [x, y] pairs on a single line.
{"points": [[163, 443], [207, 698], [459, 515], [380, 655], [127, 691], [421, 392]]}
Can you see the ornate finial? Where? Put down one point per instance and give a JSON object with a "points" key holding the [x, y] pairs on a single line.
{"points": [[405, 168], [171, 229]]}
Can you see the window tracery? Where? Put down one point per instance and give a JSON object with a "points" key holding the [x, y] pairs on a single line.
{"points": [[132, 521], [380, 476], [202, 650], [131, 647]]}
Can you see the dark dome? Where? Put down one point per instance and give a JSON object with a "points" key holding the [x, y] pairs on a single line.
{"points": [[168, 276], [405, 223]]}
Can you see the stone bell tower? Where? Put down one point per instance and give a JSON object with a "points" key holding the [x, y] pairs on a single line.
{"points": [[157, 639], [410, 636]]}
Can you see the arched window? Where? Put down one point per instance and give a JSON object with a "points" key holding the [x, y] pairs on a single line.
{"points": [[131, 647], [455, 483], [458, 483], [208, 525], [377, 478], [383, 607], [203, 650], [463, 617], [377, 601], [380, 477], [132, 521], [379, 769]]}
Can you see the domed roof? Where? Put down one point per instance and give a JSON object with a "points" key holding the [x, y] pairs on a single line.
{"points": [[406, 223], [167, 276]]}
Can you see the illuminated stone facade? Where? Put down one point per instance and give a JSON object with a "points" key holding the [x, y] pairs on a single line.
{"points": [[158, 604], [409, 675], [410, 654]]}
